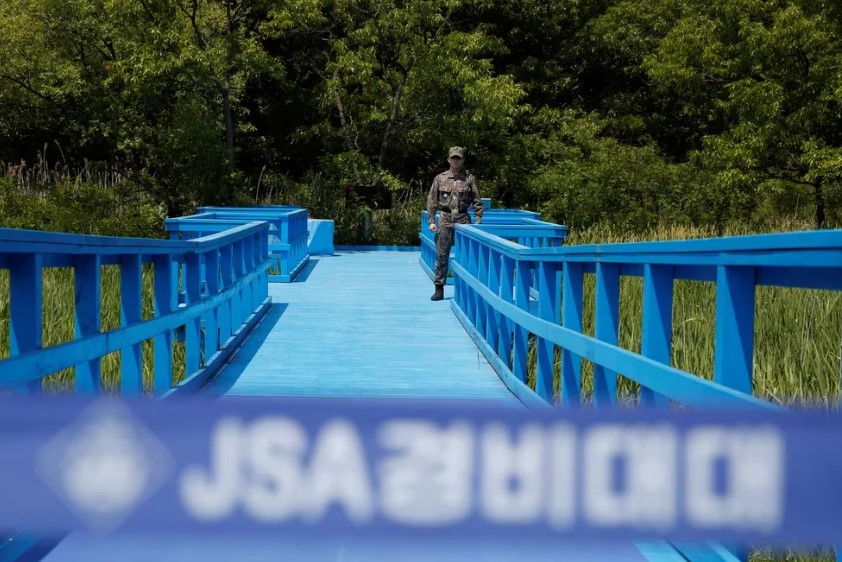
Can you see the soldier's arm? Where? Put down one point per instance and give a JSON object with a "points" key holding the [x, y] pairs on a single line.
{"points": [[432, 199], [478, 206]]}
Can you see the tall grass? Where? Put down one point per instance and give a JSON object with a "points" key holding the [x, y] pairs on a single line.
{"points": [[798, 332], [58, 317]]}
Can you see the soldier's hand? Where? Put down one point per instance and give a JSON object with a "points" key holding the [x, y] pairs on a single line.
{"points": [[432, 227]]}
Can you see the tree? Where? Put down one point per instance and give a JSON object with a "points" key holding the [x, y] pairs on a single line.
{"points": [[772, 71], [400, 78]]}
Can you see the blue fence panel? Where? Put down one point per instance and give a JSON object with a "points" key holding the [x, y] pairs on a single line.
{"points": [[519, 285], [27, 253], [287, 235], [523, 227]]}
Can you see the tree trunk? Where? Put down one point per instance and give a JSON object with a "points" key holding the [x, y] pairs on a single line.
{"points": [[229, 118], [396, 101], [334, 86], [820, 209]]}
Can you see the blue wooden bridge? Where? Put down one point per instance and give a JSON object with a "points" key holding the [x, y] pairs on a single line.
{"points": [[258, 301]]}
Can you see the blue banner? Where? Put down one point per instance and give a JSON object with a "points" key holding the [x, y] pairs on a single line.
{"points": [[411, 469]]}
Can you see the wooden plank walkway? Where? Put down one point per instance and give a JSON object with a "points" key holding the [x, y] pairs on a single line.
{"points": [[361, 325], [358, 324]]}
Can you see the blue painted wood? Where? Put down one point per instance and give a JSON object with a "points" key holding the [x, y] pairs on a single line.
{"points": [[165, 302], [211, 319], [286, 238], [713, 552], [88, 315], [657, 324], [527, 396], [508, 223], [28, 367], [507, 287], [226, 269], [548, 309], [28, 363], [362, 325], [25, 307], [374, 248], [678, 385], [131, 381], [734, 339], [571, 363], [775, 251], [175, 548], [482, 262], [193, 351], [197, 381], [606, 328], [523, 281], [492, 327], [22, 547]]}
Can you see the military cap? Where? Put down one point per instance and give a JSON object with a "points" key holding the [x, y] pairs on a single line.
{"points": [[457, 151]]}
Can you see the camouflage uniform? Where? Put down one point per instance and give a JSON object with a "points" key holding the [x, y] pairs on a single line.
{"points": [[451, 194]]}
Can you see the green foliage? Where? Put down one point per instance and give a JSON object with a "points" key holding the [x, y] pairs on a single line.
{"points": [[82, 208], [605, 112]]}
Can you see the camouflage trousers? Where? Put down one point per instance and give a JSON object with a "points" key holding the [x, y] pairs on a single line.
{"points": [[444, 242]]}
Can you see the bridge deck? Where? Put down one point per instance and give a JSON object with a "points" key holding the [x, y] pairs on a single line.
{"points": [[359, 324], [362, 325]]}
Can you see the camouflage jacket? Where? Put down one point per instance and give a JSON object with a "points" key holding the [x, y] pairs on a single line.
{"points": [[453, 194]]}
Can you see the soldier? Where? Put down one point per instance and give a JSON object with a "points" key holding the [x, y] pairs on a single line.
{"points": [[452, 193]]}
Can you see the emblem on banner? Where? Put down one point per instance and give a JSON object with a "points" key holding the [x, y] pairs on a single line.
{"points": [[104, 465]]}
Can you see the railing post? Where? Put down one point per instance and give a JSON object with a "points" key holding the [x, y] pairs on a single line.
{"points": [[505, 325], [657, 323], [607, 323], [286, 262], [523, 282], [26, 290], [257, 289], [734, 341], [492, 316], [88, 379], [458, 257], [193, 327], [548, 309], [571, 364], [239, 301], [131, 369], [481, 318], [264, 276], [166, 300], [470, 266], [226, 311], [212, 317]]}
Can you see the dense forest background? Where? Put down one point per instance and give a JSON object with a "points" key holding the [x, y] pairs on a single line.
{"points": [[627, 114]]}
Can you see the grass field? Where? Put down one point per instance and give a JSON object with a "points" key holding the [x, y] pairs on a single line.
{"points": [[58, 324]]}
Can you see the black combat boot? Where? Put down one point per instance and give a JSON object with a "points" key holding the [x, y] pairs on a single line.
{"points": [[439, 294]]}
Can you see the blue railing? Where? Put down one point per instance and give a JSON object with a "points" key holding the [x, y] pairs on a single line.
{"points": [[212, 313], [496, 279], [287, 233], [217, 312], [515, 300], [522, 227]]}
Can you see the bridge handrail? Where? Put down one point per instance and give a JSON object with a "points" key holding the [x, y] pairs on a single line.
{"points": [[496, 278], [287, 233], [221, 305], [522, 226]]}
